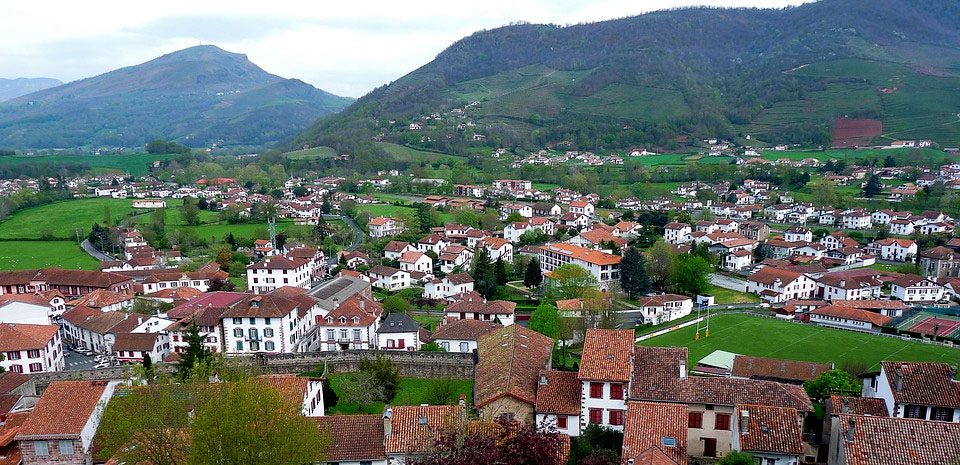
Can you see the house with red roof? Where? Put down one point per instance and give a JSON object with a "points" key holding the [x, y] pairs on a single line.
{"points": [[778, 285], [604, 377], [278, 271], [772, 434], [352, 324], [849, 318], [30, 348], [920, 390], [558, 402], [603, 266], [892, 249], [508, 372]]}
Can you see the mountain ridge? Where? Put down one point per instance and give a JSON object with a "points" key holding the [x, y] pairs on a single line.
{"points": [[13, 88], [181, 95]]}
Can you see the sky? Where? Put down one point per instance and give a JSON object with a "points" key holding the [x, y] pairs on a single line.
{"points": [[344, 47]]}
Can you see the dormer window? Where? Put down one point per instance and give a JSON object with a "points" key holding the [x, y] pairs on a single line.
{"points": [[343, 320], [356, 319]]}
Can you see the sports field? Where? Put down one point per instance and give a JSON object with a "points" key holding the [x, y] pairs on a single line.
{"points": [[767, 337], [931, 323]]}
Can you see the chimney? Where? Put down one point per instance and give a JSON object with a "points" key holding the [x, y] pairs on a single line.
{"points": [[744, 421], [363, 304], [3, 419], [851, 426], [953, 372], [336, 302], [388, 422], [463, 400], [543, 380], [683, 370]]}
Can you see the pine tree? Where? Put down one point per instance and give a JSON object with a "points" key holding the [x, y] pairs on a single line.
{"points": [[872, 187], [195, 353], [633, 273], [500, 271], [533, 277]]}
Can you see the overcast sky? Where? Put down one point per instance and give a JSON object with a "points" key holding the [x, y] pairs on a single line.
{"points": [[345, 47]]}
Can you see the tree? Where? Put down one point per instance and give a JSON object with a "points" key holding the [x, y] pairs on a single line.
{"points": [[737, 458], [224, 258], [633, 273], [194, 356], [500, 272], [824, 193], [483, 273], [443, 392], [570, 281], [431, 347], [504, 441], [250, 423], [832, 382], [147, 362], [2, 369], [533, 277], [148, 425], [107, 217], [873, 186], [595, 439], [546, 320], [379, 377], [190, 212], [692, 276], [396, 304], [661, 260]]}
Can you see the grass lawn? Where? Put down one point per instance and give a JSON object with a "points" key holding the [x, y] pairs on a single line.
{"points": [[766, 337], [412, 391], [25, 255], [62, 220], [726, 296], [135, 164], [429, 322]]}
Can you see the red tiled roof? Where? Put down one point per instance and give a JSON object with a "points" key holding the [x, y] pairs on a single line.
{"points": [[143, 342], [923, 383], [897, 441], [560, 394], [858, 405], [856, 314], [18, 336], [292, 388], [353, 438], [492, 307], [606, 355], [415, 429], [464, 330], [595, 257], [776, 369], [9, 381], [660, 300], [647, 425], [511, 359], [769, 429], [769, 274], [63, 410]]}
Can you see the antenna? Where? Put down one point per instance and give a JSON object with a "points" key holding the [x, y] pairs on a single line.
{"points": [[272, 223]]}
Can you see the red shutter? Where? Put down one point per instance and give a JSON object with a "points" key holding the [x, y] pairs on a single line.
{"points": [[616, 391], [596, 416], [722, 422], [596, 390], [561, 421], [695, 420], [616, 417]]}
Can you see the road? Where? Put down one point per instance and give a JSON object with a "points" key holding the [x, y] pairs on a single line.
{"points": [[90, 249], [727, 282], [358, 236]]}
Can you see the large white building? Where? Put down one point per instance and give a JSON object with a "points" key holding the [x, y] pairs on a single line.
{"points": [[603, 266], [29, 348], [264, 323], [278, 271], [777, 285]]}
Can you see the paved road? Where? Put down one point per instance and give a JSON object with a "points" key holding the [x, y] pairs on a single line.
{"points": [[358, 237], [75, 361], [90, 249], [727, 282]]}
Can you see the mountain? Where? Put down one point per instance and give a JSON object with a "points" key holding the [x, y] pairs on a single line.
{"points": [[778, 75], [198, 96], [13, 88]]}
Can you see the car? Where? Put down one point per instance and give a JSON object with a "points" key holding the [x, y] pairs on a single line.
{"points": [[102, 365]]}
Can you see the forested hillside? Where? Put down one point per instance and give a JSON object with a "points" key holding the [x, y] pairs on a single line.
{"points": [[781, 76]]}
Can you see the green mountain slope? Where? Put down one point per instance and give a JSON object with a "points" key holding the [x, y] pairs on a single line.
{"points": [[777, 75], [200, 95]]}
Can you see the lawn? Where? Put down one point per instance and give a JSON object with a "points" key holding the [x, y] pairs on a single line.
{"points": [[62, 220], [26, 255], [766, 337], [394, 210], [315, 153], [412, 391], [134, 164], [428, 321], [727, 296]]}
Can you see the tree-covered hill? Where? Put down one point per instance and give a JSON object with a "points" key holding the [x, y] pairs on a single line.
{"points": [[197, 96], [777, 75]]}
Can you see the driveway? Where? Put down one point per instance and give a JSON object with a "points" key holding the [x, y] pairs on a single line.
{"points": [[90, 249], [727, 282]]}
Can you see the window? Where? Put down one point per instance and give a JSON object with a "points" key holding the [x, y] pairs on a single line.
{"points": [[254, 345], [722, 422], [268, 332], [561, 421], [916, 411], [668, 441], [356, 335], [616, 391], [238, 332], [343, 334], [239, 346], [596, 390], [253, 321], [269, 346], [41, 448], [35, 367], [596, 416], [65, 447], [266, 321], [329, 334], [13, 355], [464, 346], [33, 353], [16, 368], [616, 417], [238, 321], [695, 420]]}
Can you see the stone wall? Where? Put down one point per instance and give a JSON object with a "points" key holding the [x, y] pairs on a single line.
{"points": [[410, 364]]}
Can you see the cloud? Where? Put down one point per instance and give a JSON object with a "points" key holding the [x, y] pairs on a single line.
{"points": [[343, 47]]}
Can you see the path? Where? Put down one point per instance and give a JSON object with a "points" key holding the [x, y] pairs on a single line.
{"points": [[727, 282], [90, 249]]}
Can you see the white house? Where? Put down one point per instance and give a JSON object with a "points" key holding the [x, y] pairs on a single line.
{"points": [[915, 390], [262, 323], [394, 249], [31, 348], [677, 233], [451, 284], [604, 375], [416, 261], [849, 318], [894, 250], [665, 307], [389, 278], [278, 271], [494, 311], [497, 248], [558, 402], [603, 266], [133, 347], [737, 260], [912, 288], [384, 226], [461, 335], [399, 332], [855, 219], [776, 285], [352, 324]]}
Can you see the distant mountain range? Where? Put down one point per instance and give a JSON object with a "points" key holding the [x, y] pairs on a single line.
{"points": [[13, 88], [778, 76], [198, 96]]}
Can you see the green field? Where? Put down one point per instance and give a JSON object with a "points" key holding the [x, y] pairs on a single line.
{"points": [[726, 296], [134, 164], [765, 337], [412, 391], [404, 153], [25, 255], [315, 153], [62, 220], [394, 210]]}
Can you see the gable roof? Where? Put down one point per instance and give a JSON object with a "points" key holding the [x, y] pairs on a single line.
{"points": [[868, 440], [49, 418], [856, 314], [398, 323], [606, 355], [768, 275], [463, 330], [769, 429], [777, 369], [511, 359], [923, 383], [19, 336], [491, 307], [647, 425], [353, 438], [414, 429], [858, 405], [558, 392]]}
